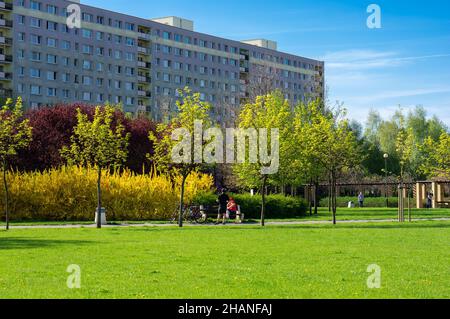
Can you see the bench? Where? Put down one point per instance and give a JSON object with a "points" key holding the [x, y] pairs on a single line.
{"points": [[443, 204], [213, 211]]}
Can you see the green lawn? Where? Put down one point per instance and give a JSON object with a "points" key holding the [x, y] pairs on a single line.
{"points": [[307, 261]]}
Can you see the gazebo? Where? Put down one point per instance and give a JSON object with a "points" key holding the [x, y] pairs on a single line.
{"points": [[437, 189]]}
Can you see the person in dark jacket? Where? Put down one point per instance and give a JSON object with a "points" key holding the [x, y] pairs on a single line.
{"points": [[223, 200]]}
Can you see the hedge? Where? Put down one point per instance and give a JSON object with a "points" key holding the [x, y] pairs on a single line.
{"points": [[368, 201], [277, 206], [69, 194]]}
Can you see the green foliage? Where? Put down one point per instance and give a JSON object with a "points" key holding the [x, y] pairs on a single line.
{"points": [[368, 201], [436, 156], [269, 112], [15, 131], [190, 109], [95, 142], [277, 206]]}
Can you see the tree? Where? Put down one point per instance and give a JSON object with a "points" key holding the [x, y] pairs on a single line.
{"points": [[167, 156], [15, 134], [436, 156], [329, 142], [269, 113], [98, 144]]}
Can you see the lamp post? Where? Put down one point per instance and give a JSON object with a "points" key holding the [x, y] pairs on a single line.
{"points": [[386, 156]]}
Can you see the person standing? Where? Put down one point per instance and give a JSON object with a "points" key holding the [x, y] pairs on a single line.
{"points": [[223, 202], [430, 200], [361, 200]]}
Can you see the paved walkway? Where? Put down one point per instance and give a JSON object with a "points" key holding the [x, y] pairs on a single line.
{"points": [[311, 222]]}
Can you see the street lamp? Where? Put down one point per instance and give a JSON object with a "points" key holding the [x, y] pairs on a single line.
{"points": [[386, 156]]}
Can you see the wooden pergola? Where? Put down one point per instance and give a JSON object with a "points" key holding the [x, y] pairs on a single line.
{"points": [[437, 189]]}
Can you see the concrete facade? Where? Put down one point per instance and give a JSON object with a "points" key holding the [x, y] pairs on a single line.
{"points": [[137, 62]]}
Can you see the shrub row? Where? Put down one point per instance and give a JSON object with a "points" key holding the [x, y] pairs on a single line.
{"points": [[277, 206], [368, 201], [69, 194]]}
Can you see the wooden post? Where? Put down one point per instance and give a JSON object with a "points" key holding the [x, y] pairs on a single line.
{"points": [[419, 196], [434, 190]]}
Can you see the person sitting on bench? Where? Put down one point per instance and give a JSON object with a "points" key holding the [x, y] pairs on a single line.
{"points": [[232, 209]]}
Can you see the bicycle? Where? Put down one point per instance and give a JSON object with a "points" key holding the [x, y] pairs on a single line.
{"points": [[193, 214]]}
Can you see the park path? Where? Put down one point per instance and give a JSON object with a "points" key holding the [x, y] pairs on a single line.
{"points": [[311, 222]]}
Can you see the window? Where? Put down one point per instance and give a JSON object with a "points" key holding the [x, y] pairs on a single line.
{"points": [[166, 77], [166, 35], [21, 19], [100, 36], [129, 86], [88, 49], [65, 93], [118, 54], [130, 56], [51, 75], [65, 45], [52, 9], [51, 42], [86, 33], [130, 42], [35, 56], [87, 80], [52, 26], [65, 77], [129, 26], [35, 90], [35, 22], [51, 58], [87, 65], [87, 17], [129, 101], [34, 5], [35, 73], [87, 96]]}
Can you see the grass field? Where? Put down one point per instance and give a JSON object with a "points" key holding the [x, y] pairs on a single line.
{"points": [[307, 261]]}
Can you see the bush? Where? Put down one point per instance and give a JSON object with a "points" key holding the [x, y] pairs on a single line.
{"points": [[277, 206], [368, 201], [69, 194]]}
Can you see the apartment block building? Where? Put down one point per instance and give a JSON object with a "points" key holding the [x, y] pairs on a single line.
{"points": [[140, 63]]}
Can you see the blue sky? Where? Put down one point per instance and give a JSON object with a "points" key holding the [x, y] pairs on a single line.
{"points": [[406, 62]]}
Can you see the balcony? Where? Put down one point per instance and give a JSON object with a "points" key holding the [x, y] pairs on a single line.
{"points": [[6, 92], [144, 65], [142, 93], [243, 70], [143, 50], [5, 76], [144, 36], [6, 6], [144, 79], [6, 41], [5, 23], [5, 58]]}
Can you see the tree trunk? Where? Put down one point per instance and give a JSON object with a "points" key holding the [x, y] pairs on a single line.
{"points": [[180, 214], [409, 206], [263, 206], [316, 196], [334, 200], [99, 198], [330, 187], [5, 183]]}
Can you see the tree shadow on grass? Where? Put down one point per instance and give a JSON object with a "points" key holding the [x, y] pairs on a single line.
{"points": [[413, 225], [33, 243]]}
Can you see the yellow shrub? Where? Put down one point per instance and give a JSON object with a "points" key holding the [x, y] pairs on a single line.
{"points": [[70, 193]]}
